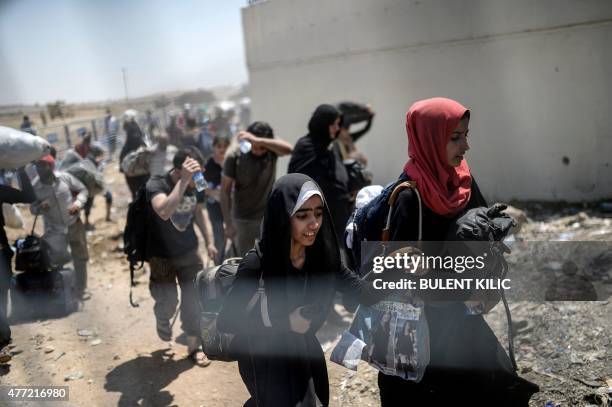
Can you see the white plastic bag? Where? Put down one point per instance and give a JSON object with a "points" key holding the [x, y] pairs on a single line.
{"points": [[18, 148], [12, 216]]}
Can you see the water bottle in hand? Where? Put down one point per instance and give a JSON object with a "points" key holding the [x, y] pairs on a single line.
{"points": [[200, 182], [245, 146]]}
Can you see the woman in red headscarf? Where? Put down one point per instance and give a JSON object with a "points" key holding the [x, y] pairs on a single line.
{"points": [[461, 360]]}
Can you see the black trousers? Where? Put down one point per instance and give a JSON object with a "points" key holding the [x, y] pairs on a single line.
{"points": [[5, 281], [134, 183]]}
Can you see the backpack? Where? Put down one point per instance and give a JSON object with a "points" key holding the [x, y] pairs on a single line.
{"points": [[136, 163], [372, 222], [136, 235], [212, 286], [86, 172]]}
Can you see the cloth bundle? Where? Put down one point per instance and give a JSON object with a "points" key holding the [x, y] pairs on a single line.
{"points": [[18, 148]]}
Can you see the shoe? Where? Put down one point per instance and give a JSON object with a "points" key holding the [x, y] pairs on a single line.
{"points": [[89, 227], [195, 352], [193, 344], [164, 330], [199, 358], [6, 357]]}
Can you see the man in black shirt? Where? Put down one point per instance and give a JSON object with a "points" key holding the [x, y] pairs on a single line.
{"points": [[177, 205]]}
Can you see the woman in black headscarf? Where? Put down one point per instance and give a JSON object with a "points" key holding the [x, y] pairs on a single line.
{"points": [[134, 139], [313, 157], [297, 260]]}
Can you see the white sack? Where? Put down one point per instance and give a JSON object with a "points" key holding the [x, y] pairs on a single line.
{"points": [[18, 148]]}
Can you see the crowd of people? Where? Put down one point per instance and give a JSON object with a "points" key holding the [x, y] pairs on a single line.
{"points": [[289, 232]]}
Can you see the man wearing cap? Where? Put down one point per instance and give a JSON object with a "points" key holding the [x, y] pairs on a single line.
{"points": [[59, 198]]}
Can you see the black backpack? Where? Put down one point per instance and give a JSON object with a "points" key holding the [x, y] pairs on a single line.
{"points": [[32, 253], [213, 285], [372, 221], [136, 235]]}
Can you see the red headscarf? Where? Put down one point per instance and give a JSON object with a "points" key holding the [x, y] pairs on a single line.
{"points": [[446, 190]]}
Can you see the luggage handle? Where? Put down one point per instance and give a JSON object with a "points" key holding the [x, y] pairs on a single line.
{"points": [[34, 225]]}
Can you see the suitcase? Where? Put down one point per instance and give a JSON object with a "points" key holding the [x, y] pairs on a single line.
{"points": [[49, 294]]}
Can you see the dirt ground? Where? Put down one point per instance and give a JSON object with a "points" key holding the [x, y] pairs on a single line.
{"points": [[108, 352]]}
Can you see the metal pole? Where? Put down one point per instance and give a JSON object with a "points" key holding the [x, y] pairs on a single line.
{"points": [[94, 130], [67, 132], [125, 87]]}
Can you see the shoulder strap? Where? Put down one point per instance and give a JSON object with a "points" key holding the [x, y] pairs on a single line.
{"points": [[396, 191], [260, 295]]}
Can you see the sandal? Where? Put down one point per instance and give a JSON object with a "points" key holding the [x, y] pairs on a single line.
{"points": [[199, 358], [6, 357]]}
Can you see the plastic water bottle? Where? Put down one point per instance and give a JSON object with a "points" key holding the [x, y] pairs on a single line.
{"points": [[245, 146], [200, 182]]}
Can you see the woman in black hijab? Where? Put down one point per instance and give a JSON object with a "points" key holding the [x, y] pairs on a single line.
{"points": [[298, 262], [313, 157], [134, 138]]}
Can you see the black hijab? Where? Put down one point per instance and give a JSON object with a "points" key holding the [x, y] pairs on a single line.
{"points": [[315, 143], [322, 258], [311, 156], [318, 126], [133, 139]]}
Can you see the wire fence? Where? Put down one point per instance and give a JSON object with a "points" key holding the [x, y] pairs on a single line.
{"points": [[63, 136]]}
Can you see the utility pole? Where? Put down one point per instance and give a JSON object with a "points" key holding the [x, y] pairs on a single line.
{"points": [[125, 87]]}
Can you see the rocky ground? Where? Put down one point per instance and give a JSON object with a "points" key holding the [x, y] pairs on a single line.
{"points": [[108, 352]]}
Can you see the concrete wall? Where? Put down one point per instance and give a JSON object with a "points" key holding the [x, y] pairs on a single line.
{"points": [[537, 75]]}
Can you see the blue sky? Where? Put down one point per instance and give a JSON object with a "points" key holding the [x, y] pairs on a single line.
{"points": [[74, 49]]}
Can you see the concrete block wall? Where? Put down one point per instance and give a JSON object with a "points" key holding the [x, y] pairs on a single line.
{"points": [[536, 74]]}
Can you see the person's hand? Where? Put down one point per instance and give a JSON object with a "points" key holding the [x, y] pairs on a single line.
{"points": [[213, 193], [370, 110], [74, 208], [297, 323], [189, 168], [230, 231], [212, 251], [251, 138], [44, 205], [500, 223], [411, 251]]}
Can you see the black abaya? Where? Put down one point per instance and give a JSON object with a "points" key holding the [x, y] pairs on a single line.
{"points": [[313, 157], [280, 367]]}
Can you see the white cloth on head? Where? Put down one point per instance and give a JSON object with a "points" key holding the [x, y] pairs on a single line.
{"points": [[130, 113], [366, 194], [308, 190], [364, 197]]}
